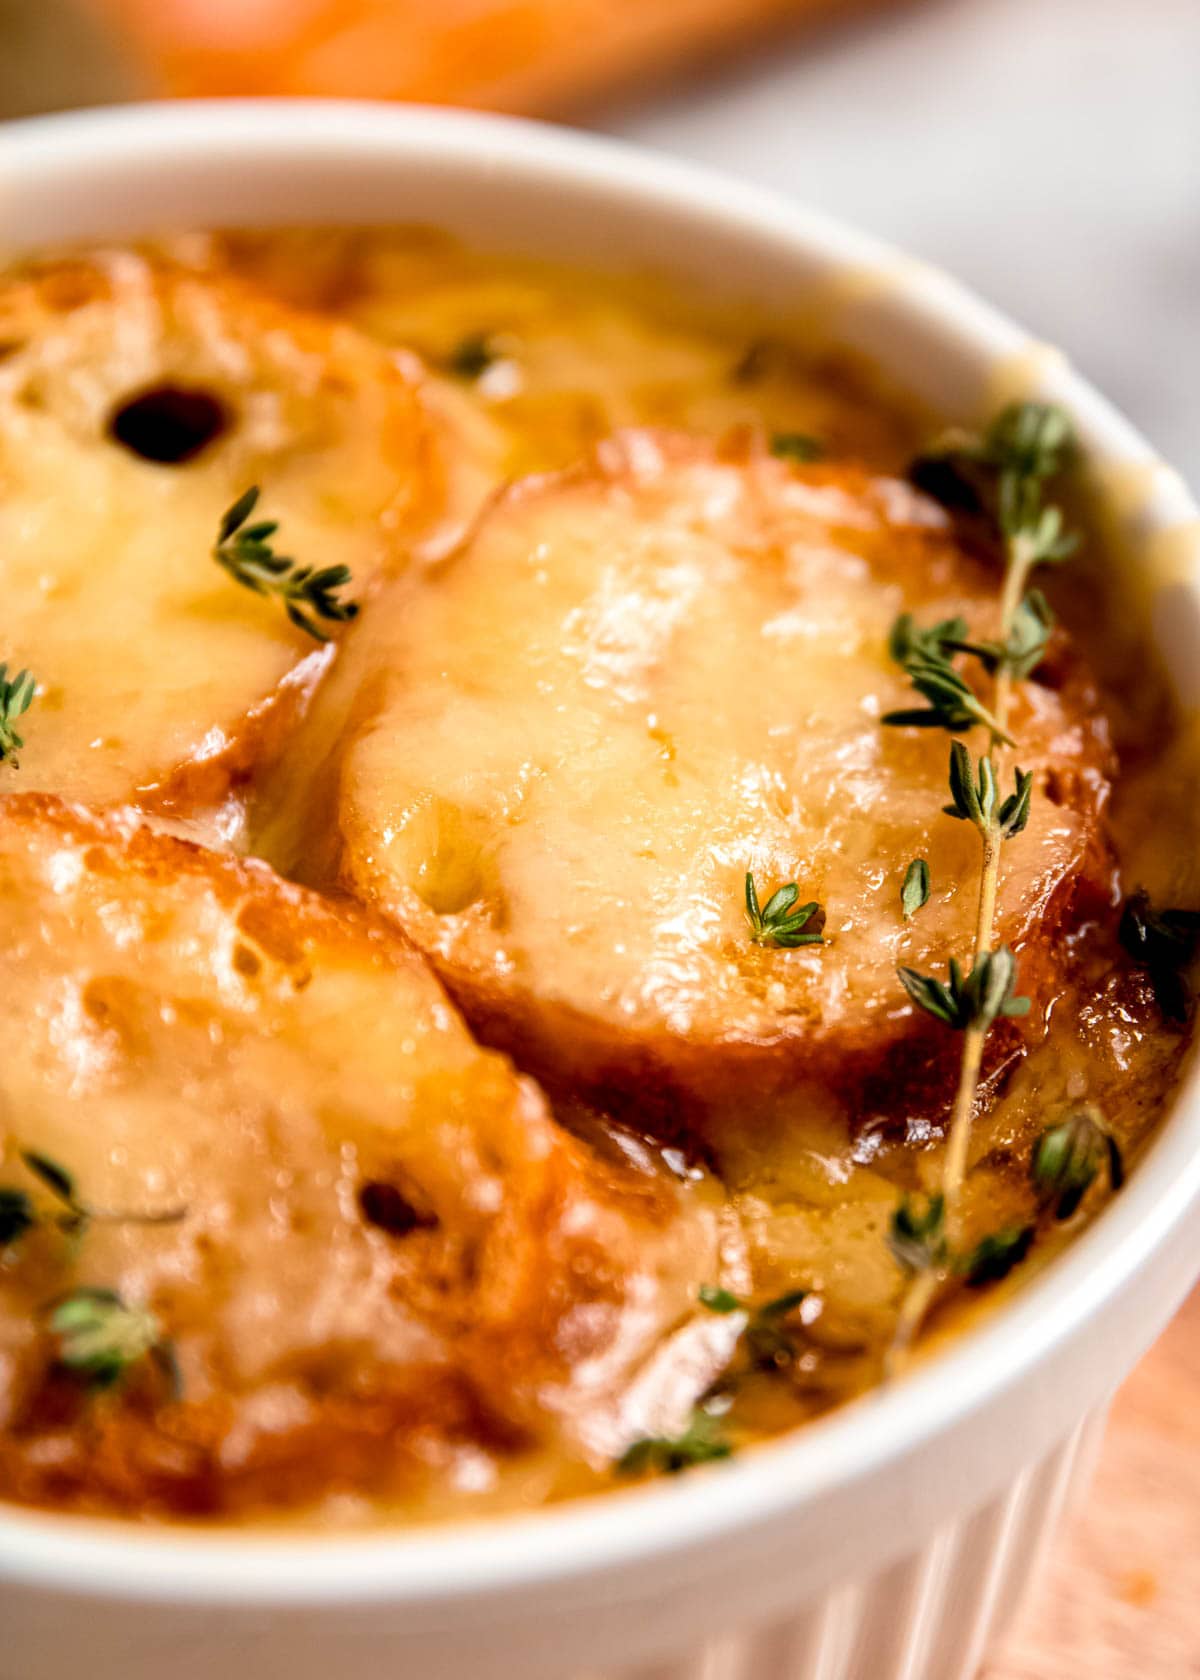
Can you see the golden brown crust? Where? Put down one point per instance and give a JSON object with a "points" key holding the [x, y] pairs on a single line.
{"points": [[407, 1279], [559, 809], [102, 546], [191, 1031]]}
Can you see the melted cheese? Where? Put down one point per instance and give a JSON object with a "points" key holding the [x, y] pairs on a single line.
{"points": [[634, 684], [159, 677], [182, 1031], [573, 712]]}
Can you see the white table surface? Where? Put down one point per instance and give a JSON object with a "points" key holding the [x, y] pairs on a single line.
{"points": [[1047, 152]]}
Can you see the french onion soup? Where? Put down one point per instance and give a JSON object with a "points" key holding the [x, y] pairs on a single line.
{"points": [[580, 884]]}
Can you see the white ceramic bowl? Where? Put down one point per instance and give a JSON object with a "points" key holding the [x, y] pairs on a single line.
{"points": [[887, 1542]]}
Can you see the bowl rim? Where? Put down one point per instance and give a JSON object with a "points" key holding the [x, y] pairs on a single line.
{"points": [[103, 1558]]}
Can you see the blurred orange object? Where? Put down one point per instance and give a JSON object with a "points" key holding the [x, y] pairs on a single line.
{"points": [[513, 55]]}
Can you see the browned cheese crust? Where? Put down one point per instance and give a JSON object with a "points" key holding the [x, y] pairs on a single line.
{"points": [[637, 681], [391, 1261], [161, 679]]}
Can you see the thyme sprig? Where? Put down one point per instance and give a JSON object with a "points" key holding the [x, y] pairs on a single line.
{"points": [[766, 1340], [975, 795], [67, 1213], [780, 922], [1001, 477], [100, 1338], [925, 658], [969, 1003], [1065, 1162], [918, 1241], [307, 592], [16, 697], [995, 1256]]}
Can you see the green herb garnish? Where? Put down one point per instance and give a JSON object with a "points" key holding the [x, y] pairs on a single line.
{"points": [[975, 796], [718, 1300], [473, 356], [995, 1257], [779, 922], [917, 1234], [915, 891], [1164, 943], [1067, 1159], [1000, 478], [101, 1338], [69, 1214], [308, 592], [796, 446], [703, 1441], [16, 697], [769, 1345], [973, 1001], [17, 1215], [1001, 475], [925, 658]]}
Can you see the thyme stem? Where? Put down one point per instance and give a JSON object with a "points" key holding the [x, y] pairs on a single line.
{"points": [[1019, 554], [1023, 550]]}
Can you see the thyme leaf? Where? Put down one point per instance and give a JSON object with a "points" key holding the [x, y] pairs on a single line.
{"points": [[100, 1338], [761, 358], [974, 1000], [16, 1215], [1068, 1157], [16, 697], [780, 921], [917, 1234], [1164, 943], [1002, 473], [307, 592], [996, 1255], [1024, 648], [718, 1300], [796, 446], [974, 795], [703, 1441], [915, 891], [769, 1344], [55, 1177], [925, 658], [473, 356]]}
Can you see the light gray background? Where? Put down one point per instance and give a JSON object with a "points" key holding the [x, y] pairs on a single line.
{"points": [[1046, 151]]}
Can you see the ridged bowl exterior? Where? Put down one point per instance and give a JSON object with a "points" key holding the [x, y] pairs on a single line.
{"points": [[931, 1616], [889, 1541]]}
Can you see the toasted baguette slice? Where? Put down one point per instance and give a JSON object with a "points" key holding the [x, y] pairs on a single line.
{"points": [[638, 682], [161, 678], [388, 1251]]}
